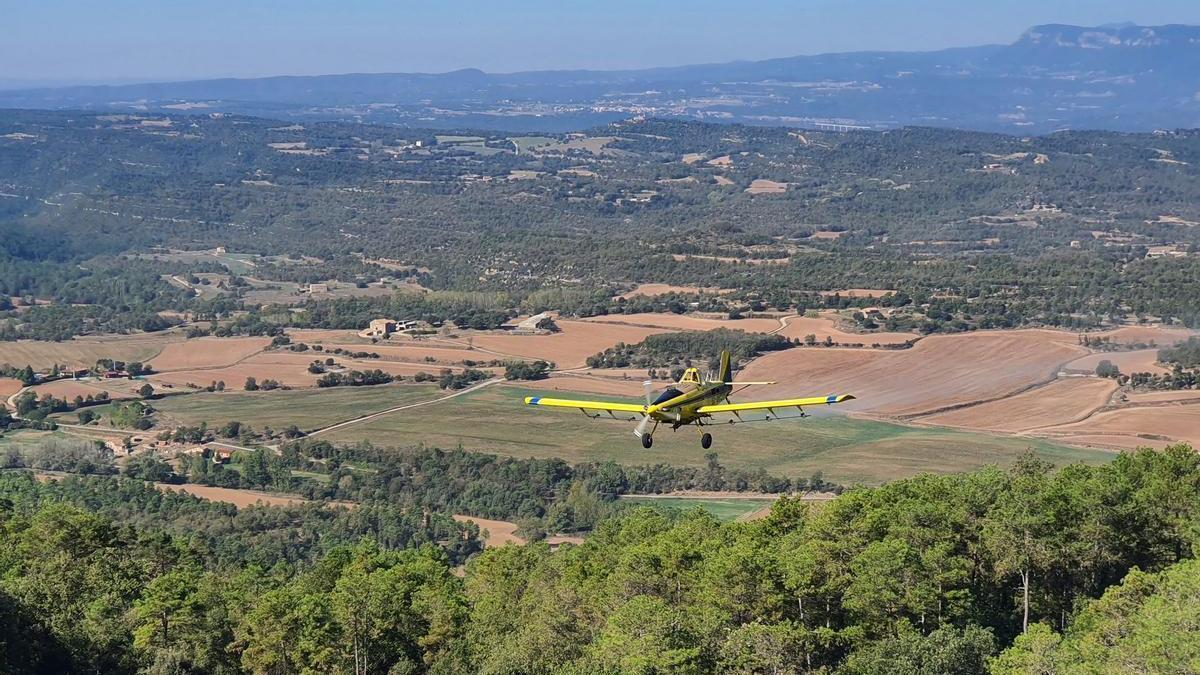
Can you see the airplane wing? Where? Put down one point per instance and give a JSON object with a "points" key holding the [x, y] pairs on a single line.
{"points": [[785, 403], [584, 405]]}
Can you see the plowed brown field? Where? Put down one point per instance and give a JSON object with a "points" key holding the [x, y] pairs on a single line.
{"points": [[69, 389], [798, 327], [1060, 402], [938, 372], [1132, 427], [207, 352], [1140, 361], [83, 352], [8, 387], [687, 322], [569, 348]]}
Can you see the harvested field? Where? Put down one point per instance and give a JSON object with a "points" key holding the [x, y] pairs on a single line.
{"points": [[827, 235], [692, 157], [938, 372], [723, 160], [761, 186], [798, 327], [1062, 401], [288, 368], [654, 290], [408, 352], [1139, 361], [1163, 396], [687, 322], [568, 348], [239, 498], [207, 352], [722, 181], [321, 335], [1160, 335], [8, 387], [499, 532], [69, 389], [1132, 427], [84, 352]]}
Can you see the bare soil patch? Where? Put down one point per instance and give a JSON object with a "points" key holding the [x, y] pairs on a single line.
{"points": [[761, 186], [239, 498], [499, 532]]}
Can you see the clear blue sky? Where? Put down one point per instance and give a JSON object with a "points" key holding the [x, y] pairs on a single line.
{"points": [[124, 40]]}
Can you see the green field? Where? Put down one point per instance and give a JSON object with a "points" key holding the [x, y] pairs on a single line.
{"points": [[524, 143], [844, 449], [306, 408], [723, 509], [23, 437]]}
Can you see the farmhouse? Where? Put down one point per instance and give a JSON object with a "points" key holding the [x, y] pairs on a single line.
{"points": [[380, 328]]}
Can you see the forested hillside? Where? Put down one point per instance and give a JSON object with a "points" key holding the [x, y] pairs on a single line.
{"points": [[972, 230], [1087, 569]]}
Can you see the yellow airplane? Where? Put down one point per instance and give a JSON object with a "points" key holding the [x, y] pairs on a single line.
{"points": [[692, 400]]}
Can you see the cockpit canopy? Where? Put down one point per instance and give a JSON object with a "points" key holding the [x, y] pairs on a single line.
{"points": [[668, 394], [690, 376]]}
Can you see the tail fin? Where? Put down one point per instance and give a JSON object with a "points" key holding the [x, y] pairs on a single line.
{"points": [[725, 374]]}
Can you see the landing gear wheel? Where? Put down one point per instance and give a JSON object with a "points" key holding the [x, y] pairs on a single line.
{"points": [[647, 441], [706, 441]]}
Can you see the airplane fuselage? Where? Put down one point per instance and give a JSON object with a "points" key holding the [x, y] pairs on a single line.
{"points": [[678, 408]]}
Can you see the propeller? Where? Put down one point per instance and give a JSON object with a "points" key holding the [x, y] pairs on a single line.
{"points": [[648, 385]]}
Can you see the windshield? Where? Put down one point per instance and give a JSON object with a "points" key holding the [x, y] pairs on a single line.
{"points": [[667, 395]]}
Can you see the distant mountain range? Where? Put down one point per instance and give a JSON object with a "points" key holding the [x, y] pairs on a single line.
{"points": [[1119, 77]]}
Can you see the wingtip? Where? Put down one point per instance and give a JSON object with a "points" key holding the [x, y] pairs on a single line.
{"points": [[848, 397]]}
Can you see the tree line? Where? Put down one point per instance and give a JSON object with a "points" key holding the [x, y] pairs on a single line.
{"points": [[1027, 570]]}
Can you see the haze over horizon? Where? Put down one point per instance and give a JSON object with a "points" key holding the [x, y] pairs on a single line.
{"points": [[72, 42]]}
